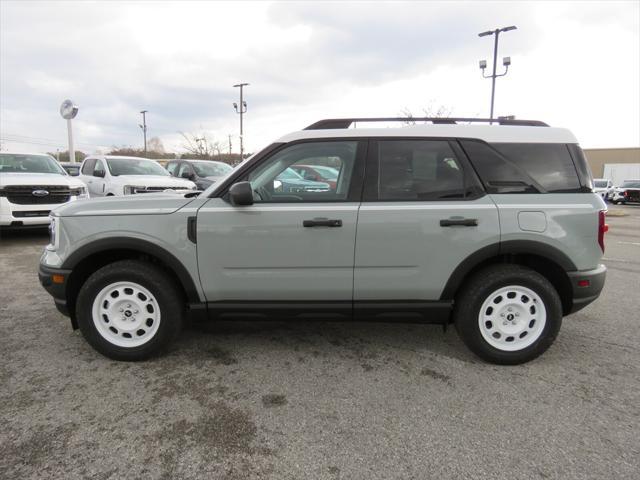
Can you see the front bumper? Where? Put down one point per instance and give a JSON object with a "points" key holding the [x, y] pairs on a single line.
{"points": [[56, 287], [586, 286]]}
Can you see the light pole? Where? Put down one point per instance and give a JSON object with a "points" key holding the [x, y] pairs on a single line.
{"points": [[144, 129], [506, 61], [68, 111], [241, 109]]}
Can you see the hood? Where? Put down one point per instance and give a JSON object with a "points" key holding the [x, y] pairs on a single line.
{"points": [[142, 204], [154, 181], [7, 179]]}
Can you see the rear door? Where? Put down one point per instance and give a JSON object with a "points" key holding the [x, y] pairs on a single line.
{"points": [[296, 242], [423, 213]]}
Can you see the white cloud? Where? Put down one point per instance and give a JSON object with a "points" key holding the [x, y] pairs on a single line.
{"points": [[575, 64]]}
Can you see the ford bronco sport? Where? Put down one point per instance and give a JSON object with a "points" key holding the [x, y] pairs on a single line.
{"points": [[494, 228]]}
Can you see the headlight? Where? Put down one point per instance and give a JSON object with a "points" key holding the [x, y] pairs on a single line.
{"points": [[80, 192], [54, 225], [131, 189]]}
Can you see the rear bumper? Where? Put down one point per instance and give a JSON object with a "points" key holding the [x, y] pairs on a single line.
{"points": [[57, 290], [586, 286]]}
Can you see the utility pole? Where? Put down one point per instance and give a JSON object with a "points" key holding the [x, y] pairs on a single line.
{"points": [[144, 129], [229, 144], [506, 61], [241, 109]]}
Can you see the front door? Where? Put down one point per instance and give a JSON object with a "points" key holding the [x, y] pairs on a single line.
{"points": [[423, 213], [296, 242]]}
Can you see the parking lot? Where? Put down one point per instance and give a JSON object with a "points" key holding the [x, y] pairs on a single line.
{"points": [[320, 400]]}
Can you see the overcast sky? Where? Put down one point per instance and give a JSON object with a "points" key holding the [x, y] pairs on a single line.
{"points": [[574, 64]]}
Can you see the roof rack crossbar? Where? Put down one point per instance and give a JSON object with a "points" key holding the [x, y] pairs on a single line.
{"points": [[340, 123]]}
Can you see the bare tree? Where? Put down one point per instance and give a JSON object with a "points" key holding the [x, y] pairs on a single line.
{"points": [[155, 145], [200, 145], [430, 110]]}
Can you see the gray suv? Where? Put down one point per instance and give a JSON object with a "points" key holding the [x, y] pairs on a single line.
{"points": [[494, 228]]}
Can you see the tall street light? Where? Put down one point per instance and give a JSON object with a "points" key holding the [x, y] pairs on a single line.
{"points": [[144, 129], [241, 109], [506, 61], [68, 111]]}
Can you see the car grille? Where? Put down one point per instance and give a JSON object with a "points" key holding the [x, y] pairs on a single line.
{"points": [[24, 194], [156, 189], [31, 213]]}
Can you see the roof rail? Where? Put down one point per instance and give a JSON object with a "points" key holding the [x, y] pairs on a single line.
{"points": [[339, 123]]}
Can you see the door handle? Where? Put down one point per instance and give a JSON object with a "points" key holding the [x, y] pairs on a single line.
{"points": [[322, 222], [463, 222]]}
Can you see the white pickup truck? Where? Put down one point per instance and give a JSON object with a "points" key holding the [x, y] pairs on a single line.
{"points": [[31, 185]]}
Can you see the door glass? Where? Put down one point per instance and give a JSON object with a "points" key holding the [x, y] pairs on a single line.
{"points": [[99, 167], [418, 170], [184, 167], [307, 172], [87, 168], [171, 168]]}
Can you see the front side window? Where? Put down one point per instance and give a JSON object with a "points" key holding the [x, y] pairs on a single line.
{"points": [[171, 168], [419, 170], [89, 164], [99, 167], [18, 163], [184, 168], [135, 166], [278, 179]]}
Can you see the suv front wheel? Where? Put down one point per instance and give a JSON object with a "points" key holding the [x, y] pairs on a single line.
{"points": [[129, 310], [508, 314]]}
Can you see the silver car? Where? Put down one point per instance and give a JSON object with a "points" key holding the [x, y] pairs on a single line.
{"points": [[492, 228]]}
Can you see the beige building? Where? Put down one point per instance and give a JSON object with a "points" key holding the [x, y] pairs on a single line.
{"points": [[597, 157]]}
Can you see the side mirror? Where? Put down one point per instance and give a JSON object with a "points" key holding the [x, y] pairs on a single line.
{"points": [[241, 193], [98, 173], [186, 175]]}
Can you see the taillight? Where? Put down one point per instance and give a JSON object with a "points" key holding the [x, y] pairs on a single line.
{"points": [[602, 228]]}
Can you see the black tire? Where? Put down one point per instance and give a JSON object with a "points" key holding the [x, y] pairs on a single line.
{"points": [[157, 282], [480, 287]]}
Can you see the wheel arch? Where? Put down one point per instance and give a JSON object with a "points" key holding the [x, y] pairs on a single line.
{"points": [[89, 258], [542, 258]]}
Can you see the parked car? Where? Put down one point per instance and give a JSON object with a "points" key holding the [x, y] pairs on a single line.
{"points": [[603, 187], [492, 228], [289, 181], [109, 175], [72, 168], [628, 192], [318, 173], [31, 185], [203, 173]]}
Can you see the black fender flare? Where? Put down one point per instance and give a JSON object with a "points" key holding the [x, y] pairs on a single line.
{"points": [[143, 247], [504, 248]]}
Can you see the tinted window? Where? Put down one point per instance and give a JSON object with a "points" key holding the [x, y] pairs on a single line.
{"points": [[418, 170], [549, 164], [276, 179], [87, 168], [171, 168], [582, 166], [499, 174]]}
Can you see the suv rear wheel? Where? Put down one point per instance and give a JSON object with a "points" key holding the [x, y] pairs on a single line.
{"points": [[129, 310], [508, 314]]}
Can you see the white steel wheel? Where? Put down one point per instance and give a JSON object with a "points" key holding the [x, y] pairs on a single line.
{"points": [[126, 314], [512, 318]]}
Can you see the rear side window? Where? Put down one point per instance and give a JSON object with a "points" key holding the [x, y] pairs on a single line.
{"points": [[549, 164], [498, 173], [419, 170], [87, 168], [582, 167]]}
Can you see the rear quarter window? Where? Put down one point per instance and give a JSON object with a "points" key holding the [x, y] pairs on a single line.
{"points": [[549, 164]]}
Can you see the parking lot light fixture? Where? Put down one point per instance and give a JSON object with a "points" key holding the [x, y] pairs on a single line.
{"points": [[506, 61]]}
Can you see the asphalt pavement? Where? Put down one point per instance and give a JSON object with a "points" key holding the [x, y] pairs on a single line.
{"points": [[320, 400]]}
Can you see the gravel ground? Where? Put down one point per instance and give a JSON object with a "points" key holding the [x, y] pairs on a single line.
{"points": [[320, 400]]}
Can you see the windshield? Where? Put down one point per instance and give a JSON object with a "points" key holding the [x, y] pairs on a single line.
{"points": [[631, 184], [211, 169], [289, 174], [135, 166], [17, 163], [600, 183]]}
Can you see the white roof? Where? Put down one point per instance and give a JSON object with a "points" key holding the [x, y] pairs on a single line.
{"points": [[488, 133]]}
